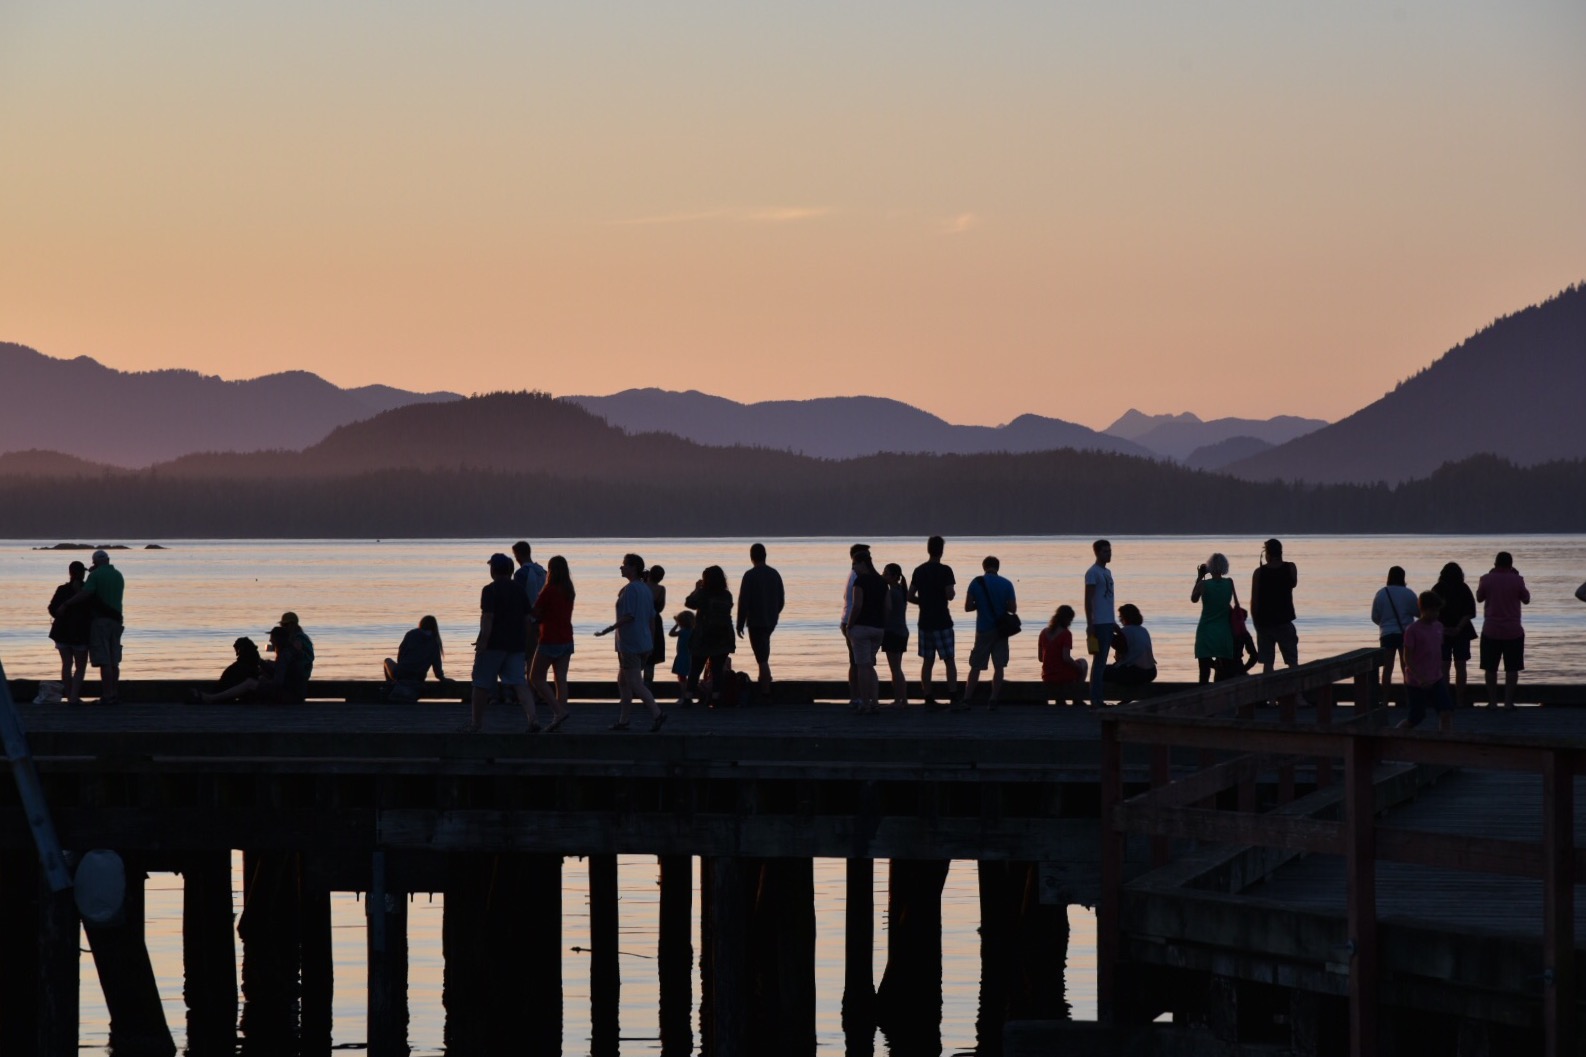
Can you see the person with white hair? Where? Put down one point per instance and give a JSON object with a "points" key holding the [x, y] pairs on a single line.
{"points": [[1215, 648]]}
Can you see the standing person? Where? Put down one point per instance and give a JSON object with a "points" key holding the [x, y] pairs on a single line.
{"points": [[1424, 683], [1136, 663], [1501, 592], [1272, 607], [760, 601], [419, 651], [498, 652], [712, 642], [895, 639], [931, 588], [867, 623], [102, 594], [989, 597], [858, 554], [1459, 627], [1100, 620], [1215, 648], [1061, 671], [653, 576], [683, 659], [530, 579], [635, 619], [69, 630], [553, 613], [1393, 610]]}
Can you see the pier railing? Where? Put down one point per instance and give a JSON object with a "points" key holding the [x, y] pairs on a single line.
{"points": [[1234, 738]]}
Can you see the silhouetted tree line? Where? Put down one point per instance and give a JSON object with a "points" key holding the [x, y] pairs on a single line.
{"points": [[1045, 493]]}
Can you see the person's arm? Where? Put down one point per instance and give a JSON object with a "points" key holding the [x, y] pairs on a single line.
{"points": [[1090, 595], [1580, 592], [1013, 603], [1376, 607], [970, 604], [857, 604], [912, 595], [778, 596], [1040, 646], [744, 595], [1525, 594], [1066, 654], [1481, 589], [1255, 594], [1195, 592]]}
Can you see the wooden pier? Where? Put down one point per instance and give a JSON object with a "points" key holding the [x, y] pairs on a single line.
{"points": [[348, 793]]}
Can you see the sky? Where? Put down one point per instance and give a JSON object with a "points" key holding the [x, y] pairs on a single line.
{"points": [[983, 210]]}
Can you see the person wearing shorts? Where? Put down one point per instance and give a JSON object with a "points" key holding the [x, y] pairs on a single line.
{"points": [[1272, 607], [1502, 592], [634, 628], [866, 630], [989, 597], [760, 600], [1425, 687], [931, 588], [102, 592], [498, 652]]}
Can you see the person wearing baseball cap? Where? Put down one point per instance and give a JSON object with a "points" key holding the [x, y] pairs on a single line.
{"points": [[498, 652]]}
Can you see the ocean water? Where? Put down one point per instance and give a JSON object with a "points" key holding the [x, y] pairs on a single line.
{"points": [[187, 602]]}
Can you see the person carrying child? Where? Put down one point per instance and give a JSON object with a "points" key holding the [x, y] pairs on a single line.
{"points": [[1062, 672]]}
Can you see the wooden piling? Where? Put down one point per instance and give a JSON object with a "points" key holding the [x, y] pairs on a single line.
{"points": [[19, 951], [59, 931], [782, 956], [464, 944], [729, 959], [318, 969], [126, 977], [859, 941], [209, 953], [541, 913], [675, 954], [909, 1000], [605, 974], [1041, 947], [270, 958], [386, 914]]}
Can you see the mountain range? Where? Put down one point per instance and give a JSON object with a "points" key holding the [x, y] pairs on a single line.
{"points": [[1208, 445], [124, 418]]}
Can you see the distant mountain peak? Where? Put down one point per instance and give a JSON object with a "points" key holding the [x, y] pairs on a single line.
{"points": [[1134, 424]]}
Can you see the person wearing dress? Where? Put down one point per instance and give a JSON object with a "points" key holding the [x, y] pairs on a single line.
{"points": [[1215, 648]]}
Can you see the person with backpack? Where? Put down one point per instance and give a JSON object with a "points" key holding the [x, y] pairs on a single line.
{"points": [[991, 598]]}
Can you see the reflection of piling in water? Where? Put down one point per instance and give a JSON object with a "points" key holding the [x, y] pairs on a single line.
{"points": [[270, 953], [605, 976], [675, 955], [782, 953], [909, 1000]]}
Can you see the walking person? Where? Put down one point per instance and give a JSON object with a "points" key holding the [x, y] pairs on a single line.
{"points": [[102, 595], [498, 651], [1425, 685], [1061, 672], [760, 601], [931, 588], [712, 642], [635, 619], [1393, 610], [69, 630], [990, 597], [1502, 592], [895, 639], [1272, 607], [553, 614], [866, 632], [530, 579], [1215, 647], [1458, 617], [1101, 622]]}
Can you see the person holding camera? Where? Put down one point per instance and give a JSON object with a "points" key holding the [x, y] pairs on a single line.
{"points": [[1272, 607], [1215, 648]]}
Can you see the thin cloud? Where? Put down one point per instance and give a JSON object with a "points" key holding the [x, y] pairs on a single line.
{"points": [[960, 224], [766, 215]]}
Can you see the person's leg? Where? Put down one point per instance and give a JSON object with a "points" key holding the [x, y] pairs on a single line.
{"points": [[950, 668], [642, 692], [1204, 664], [559, 665], [760, 643], [247, 686], [538, 666], [1081, 686], [66, 664], [996, 684], [900, 684], [927, 662], [1511, 682], [1266, 643], [624, 695], [111, 676], [978, 659], [1103, 634], [1461, 690], [1289, 645], [1489, 669], [79, 669]]}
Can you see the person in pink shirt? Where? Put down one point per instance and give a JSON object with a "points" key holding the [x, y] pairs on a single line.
{"points": [[1502, 592], [1425, 684]]}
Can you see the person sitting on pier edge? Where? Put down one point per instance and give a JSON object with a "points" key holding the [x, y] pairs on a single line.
{"points": [[1502, 592], [1393, 610], [1062, 672], [1425, 686], [990, 597], [634, 624], [248, 665], [300, 639], [283, 681], [1215, 648], [498, 651], [419, 651], [931, 588], [69, 631], [712, 642], [1136, 663], [553, 611]]}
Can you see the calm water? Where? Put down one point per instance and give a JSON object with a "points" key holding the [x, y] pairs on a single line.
{"points": [[186, 603]]}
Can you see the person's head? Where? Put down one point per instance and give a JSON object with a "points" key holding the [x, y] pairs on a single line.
{"points": [[990, 563], [685, 618], [430, 624], [1451, 574], [1431, 604], [1396, 576], [100, 558], [1062, 617], [632, 566], [859, 552], [1217, 564], [934, 546], [522, 552], [556, 572], [280, 638], [245, 647], [714, 578], [893, 573], [1103, 551], [75, 572], [1273, 549], [289, 621], [500, 567], [1129, 614], [757, 554], [655, 574], [1504, 560]]}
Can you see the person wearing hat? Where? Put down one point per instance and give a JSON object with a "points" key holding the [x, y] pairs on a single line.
{"points": [[69, 631], [101, 595], [498, 652]]}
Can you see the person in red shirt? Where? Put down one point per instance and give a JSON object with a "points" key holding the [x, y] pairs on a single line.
{"points": [[1425, 682], [553, 612], [1502, 592], [1060, 669]]}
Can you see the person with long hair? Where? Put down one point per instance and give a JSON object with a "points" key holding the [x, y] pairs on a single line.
{"points": [[419, 652], [895, 638], [1062, 672], [1458, 617], [69, 630], [1215, 648], [553, 611], [714, 640], [1393, 610]]}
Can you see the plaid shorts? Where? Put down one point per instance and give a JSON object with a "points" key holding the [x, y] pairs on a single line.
{"points": [[937, 643]]}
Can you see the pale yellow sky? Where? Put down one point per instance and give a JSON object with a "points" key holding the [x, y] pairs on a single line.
{"points": [[1231, 208]]}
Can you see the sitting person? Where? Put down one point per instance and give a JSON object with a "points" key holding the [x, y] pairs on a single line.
{"points": [[246, 667], [1061, 671], [1136, 664], [420, 651], [281, 681]]}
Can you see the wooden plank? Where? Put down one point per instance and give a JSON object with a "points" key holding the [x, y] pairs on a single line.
{"points": [[1361, 866], [1233, 827]]}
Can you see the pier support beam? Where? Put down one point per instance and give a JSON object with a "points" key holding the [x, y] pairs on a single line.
{"points": [[909, 1000], [727, 911], [270, 958], [541, 922], [209, 953], [675, 955], [19, 951], [605, 974], [318, 969], [59, 969], [859, 941], [386, 912], [782, 936], [464, 946], [126, 976]]}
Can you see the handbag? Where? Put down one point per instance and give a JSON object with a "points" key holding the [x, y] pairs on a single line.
{"points": [[1092, 643], [1007, 624], [1236, 618]]}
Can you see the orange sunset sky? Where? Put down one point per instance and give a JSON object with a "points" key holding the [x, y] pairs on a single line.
{"points": [[981, 209]]}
